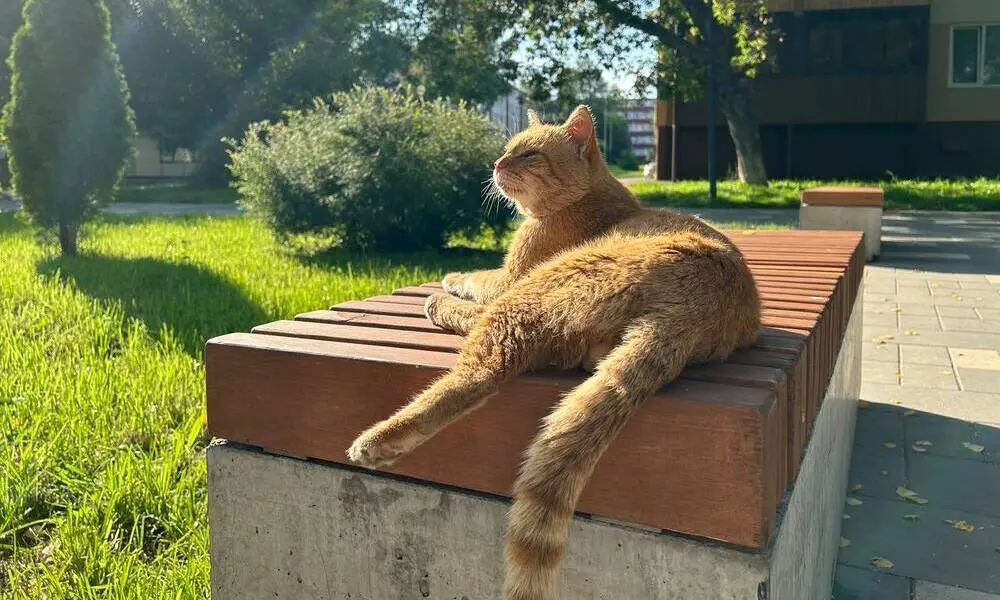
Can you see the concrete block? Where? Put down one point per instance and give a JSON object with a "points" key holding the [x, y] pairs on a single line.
{"points": [[850, 218], [297, 530]]}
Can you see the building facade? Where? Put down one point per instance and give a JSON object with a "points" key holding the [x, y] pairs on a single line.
{"points": [[863, 89], [510, 112], [641, 127]]}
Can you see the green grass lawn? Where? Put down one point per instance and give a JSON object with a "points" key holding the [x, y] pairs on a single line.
{"points": [[972, 195], [622, 173], [102, 388], [175, 191]]}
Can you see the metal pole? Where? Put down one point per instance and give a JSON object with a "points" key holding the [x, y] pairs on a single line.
{"points": [[711, 107]]}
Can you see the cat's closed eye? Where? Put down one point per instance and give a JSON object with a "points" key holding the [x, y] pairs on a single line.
{"points": [[528, 154]]}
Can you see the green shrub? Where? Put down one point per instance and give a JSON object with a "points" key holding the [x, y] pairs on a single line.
{"points": [[385, 170], [628, 160], [69, 127]]}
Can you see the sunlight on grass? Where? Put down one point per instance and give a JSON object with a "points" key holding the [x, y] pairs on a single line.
{"points": [[102, 389], [971, 195]]}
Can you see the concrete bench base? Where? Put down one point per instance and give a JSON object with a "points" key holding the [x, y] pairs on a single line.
{"points": [[850, 209], [295, 529]]}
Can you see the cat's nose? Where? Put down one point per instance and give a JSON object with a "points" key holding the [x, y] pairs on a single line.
{"points": [[501, 164]]}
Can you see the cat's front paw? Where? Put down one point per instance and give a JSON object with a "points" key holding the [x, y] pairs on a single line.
{"points": [[452, 283], [432, 307], [383, 444]]}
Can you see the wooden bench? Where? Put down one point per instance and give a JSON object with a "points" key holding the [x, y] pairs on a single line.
{"points": [[845, 208], [713, 456]]}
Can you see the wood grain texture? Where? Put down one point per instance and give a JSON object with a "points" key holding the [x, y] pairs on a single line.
{"points": [[711, 455]]}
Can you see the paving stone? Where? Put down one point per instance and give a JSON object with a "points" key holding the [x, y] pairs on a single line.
{"points": [[851, 583], [924, 355], [877, 469], [935, 377], [973, 358], [919, 323], [925, 590], [954, 339], [879, 308], [960, 312], [886, 319], [928, 548], [877, 425], [978, 285], [973, 325], [947, 285], [971, 486], [979, 380], [966, 406], [916, 310], [949, 436], [881, 372], [886, 353]]}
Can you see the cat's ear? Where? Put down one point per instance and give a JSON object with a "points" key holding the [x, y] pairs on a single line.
{"points": [[580, 127], [533, 118]]}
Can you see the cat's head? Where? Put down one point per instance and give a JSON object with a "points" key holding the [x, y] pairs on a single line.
{"points": [[545, 168]]}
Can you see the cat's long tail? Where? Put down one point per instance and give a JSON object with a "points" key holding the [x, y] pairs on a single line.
{"points": [[572, 440]]}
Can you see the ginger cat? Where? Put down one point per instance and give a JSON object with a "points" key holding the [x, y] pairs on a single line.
{"points": [[591, 279]]}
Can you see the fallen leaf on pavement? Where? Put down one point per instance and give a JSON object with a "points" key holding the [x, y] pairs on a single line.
{"points": [[907, 494], [961, 525], [977, 448], [857, 487], [889, 445], [882, 340], [911, 518], [844, 542], [882, 563], [851, 501]]}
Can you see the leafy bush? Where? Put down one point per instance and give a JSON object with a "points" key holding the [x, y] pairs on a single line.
{"points": [[386, 170], [69, 127], [628, 160]]}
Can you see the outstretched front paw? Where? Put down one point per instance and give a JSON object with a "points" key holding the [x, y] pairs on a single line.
{"points": [[383, 443], [432, 307], [452, 283]]}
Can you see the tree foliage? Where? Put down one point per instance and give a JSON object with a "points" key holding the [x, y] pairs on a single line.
{"points": [[69, 127], [610, 31]]}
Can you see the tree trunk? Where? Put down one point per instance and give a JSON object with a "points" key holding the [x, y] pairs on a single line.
{"points": [[67, 238], [736, 104]]}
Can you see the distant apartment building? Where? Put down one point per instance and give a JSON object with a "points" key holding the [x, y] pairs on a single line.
{"points": [[639, 115], [863, 89]]}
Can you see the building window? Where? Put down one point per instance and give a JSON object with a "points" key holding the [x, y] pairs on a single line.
{"points": [[975, 55]]}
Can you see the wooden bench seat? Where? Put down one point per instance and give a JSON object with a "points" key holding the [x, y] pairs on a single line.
{"points": [[711, 455]]}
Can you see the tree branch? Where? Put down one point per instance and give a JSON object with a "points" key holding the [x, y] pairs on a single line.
{"points": [[627, 18]]}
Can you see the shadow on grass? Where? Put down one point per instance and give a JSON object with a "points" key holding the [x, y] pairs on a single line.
{"points": [[186, 302]]}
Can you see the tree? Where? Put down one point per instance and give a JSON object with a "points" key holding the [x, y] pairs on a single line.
{"points": [[571, 86], [68, 122], [611, 29], [10, 21]]}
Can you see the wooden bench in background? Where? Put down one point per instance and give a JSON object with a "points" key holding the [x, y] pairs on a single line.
{"points": [[713, 456], [846, 209]]}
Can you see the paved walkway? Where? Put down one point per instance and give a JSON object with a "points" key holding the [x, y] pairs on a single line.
{"points": [[930, 420], [125, 208]]}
